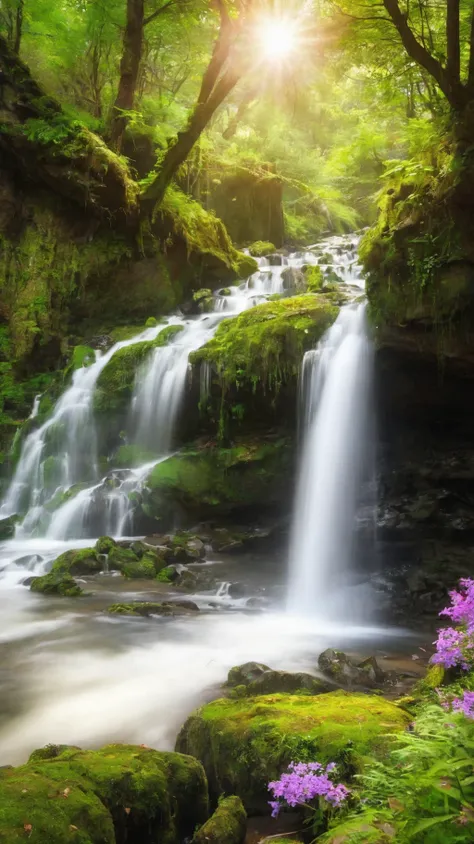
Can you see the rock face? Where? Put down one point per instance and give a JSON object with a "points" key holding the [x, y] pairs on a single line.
{"points": [[425, 520], [117, 794], [253, 678], [243, 744]]}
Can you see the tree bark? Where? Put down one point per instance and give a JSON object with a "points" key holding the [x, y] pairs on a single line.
{"points": [[129, 69], [470, 80], [453, 66]]}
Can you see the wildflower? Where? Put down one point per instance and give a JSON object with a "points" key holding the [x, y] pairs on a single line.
{"points": [[304, 782]]}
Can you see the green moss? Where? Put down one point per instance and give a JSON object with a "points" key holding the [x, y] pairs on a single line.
{"points": [[243, 744], [147, 608], [228, 824], [76, 796], [82, 562], [56, 583], [116, 381], [261, 248], [38, 807], [128, 456], [203, 233], [265, 345], [204, 293], [167, 574], [82, 356], [214, 480], [151, 322], [105, 544], [314, 279]]}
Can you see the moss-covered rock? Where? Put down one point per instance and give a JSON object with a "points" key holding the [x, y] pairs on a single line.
{"points": [[261, 248], [228, 824], [243, 744], [105, 544], [314, 278], [56, 583], [264, 346], [119, 793], [85, 561], [199, 484], [147, 608]]}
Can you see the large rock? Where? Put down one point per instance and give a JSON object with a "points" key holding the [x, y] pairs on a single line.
{"points": [[244, 744], [7, 527], [203, 483], [117, 794], [254, 678]]}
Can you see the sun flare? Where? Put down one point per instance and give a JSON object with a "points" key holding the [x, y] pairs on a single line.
{"points": [[278, 38]]}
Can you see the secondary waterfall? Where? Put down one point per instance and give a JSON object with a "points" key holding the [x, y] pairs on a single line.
{"points": [[335, 400], [58, 485]]}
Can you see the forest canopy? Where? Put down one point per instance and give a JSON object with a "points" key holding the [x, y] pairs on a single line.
{"points": [[319, 94]]}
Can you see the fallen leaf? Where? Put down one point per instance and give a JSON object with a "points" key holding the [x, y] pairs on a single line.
{"points": [[28, 828], [66, 792], [73, 828], [24, 790], [127, 810]]}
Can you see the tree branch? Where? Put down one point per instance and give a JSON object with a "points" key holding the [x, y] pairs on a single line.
{"points": [[452, 90], [158, 12]]}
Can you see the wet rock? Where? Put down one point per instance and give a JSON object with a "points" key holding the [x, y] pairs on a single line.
{"points": [[228, 824], [284, 682], [238, 590], [7, 527], [343, 671], [102, 342], [30, 561], [275, 260], [244, 674], [148, 608], [294, 280], [105, 544]]}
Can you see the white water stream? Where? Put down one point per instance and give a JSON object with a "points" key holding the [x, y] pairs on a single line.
{"points": [[73, 674]]}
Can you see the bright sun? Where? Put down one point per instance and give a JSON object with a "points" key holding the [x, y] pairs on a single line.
{"points": [[278, 38]]}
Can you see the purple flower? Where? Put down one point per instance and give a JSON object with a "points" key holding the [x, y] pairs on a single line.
{"points": [[304, 782], [464, 704]]}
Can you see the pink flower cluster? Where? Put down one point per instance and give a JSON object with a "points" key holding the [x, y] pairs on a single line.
{"points": [[454, 644], [464, 704], [304, 782]]}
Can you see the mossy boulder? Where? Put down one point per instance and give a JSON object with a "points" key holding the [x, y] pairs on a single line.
{"points": [[105, 544], [116, 381], [56, 583], [254, 678], [243, 744], [85, 561], [228, 824], [199, 484], [148, 608], [264, 346], [261, 248], [116, 794], [314, 278]]}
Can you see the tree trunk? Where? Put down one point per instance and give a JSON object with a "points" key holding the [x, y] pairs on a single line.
{"points": [[453, 66], [179, 150], [129, 70]]}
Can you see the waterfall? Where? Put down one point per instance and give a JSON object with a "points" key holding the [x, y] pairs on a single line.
{"points": [[335, 392]]}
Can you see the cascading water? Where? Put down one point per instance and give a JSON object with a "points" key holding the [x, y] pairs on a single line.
{"points": [[335, 399]]}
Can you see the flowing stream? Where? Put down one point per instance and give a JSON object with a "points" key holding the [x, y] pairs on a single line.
{"points": [[73, 674]]}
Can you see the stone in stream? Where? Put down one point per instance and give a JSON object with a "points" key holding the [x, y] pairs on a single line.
{"points": [[254, 678], [149, 608], [343, 671]]}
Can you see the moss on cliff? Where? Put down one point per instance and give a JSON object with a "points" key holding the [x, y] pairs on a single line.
{"points": [[264, 346]]}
